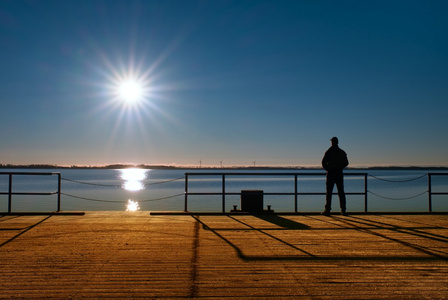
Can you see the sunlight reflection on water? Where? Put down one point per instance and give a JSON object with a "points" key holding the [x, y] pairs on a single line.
{"points": [[133, 179], [132, 205], [133, 182]]}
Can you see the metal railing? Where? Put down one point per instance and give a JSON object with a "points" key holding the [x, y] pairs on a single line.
{"points": [[223, 193], [430, 192], [296, 192], [10, 191]]}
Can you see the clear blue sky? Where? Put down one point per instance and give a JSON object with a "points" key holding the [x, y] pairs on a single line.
{"points": [[231, 81]]}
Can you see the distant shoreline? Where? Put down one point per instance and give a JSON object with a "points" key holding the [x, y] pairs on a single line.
{"points": [[168, 167]]}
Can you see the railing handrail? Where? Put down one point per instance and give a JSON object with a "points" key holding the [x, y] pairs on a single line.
{"points": [[10, 192], [276, 173], [295, 175], [30, 173]]}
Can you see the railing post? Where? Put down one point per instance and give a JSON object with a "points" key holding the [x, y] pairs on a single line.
{"points": [[10, 193], [295, 193], [365, 193], [59, 192], [223, 193], [429, 193], [186, 193]]}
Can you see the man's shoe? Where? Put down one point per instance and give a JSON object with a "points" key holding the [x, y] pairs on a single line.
{"points": [[344, 213], [325, 213]]}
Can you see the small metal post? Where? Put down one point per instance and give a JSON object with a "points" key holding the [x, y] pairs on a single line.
{"points": [[59, 192], [223, 193], [186, 192], [10, 193], [295, 193], [429, 193], [365, 192]]}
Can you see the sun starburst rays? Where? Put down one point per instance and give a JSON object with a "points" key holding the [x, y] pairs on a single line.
{"points": [[133, 104], [135, 100]]}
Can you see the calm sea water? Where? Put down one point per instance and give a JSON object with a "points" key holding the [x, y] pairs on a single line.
{"points": [[163, 190]]}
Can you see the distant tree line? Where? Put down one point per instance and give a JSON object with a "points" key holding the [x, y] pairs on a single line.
{"points": [[167, 167], [113, 166]]}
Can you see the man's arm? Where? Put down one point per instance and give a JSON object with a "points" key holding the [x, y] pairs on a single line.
{"points": [[325, 161], [345, 159]]}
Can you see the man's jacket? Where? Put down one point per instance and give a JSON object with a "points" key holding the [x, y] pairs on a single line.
{"points": [[334, 159]]}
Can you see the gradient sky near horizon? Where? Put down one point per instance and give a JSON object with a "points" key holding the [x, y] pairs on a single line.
{"points": [[235, 82]]}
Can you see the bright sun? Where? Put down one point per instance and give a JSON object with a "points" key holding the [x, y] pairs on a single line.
{"points": [[130, 91]]}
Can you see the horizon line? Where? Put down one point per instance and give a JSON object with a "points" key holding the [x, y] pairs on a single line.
{"points": [[192, 166]]}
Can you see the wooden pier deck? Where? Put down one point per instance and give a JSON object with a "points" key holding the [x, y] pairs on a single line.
{"points": [[141, 256]]}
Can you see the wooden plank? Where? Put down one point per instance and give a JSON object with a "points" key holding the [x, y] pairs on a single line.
{"points": [[137, 255]]}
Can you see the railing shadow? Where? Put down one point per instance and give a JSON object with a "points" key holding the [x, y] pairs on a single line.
{"points": [[23, 230], [415, 232], [288, 224], [347, 224]]}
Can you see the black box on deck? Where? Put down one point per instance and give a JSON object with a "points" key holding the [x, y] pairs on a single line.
{"points": [[252, 200]]}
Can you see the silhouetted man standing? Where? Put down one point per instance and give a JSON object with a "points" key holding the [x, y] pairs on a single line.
{"points": [[334, 161]]}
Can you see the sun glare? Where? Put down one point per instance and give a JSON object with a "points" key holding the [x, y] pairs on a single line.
{"points": [[130, 91]]}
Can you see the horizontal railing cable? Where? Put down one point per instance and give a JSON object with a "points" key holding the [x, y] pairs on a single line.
{"points": [[120, 201], [166, 181], [182, 194], [118, 186], [397, 181], [90, 183], [162, 198], [404, 180], [397, 199]]}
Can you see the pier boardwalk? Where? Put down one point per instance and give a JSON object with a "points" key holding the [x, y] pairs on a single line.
{"points": [[135, 255]]}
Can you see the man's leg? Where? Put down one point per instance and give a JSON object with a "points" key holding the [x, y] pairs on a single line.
{"points": [[341, 193], [330, 186]]}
